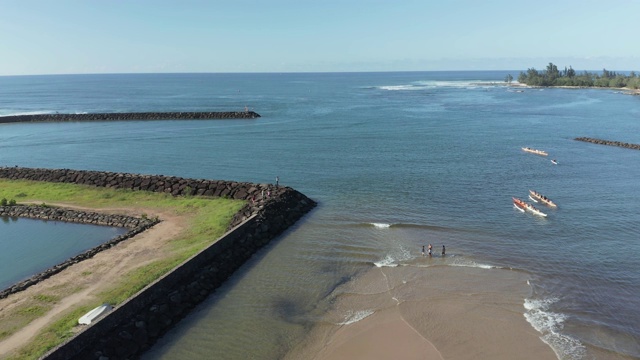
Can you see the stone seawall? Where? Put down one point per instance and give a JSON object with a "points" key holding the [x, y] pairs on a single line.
{"points": [[133, 224], [610, 143], [131, 116], [136, 324]]}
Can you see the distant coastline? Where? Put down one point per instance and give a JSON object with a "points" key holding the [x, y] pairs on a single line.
{"points": [[569, 78], [131, 116], [622, 90]]}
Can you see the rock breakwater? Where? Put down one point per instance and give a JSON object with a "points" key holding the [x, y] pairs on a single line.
{"points": [[131, 116], [133, 326], [610, 143]]}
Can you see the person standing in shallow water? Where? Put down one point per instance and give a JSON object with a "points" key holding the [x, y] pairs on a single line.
{"points": [[430, 247], [277, 180], [422, 250], [443, 250]]}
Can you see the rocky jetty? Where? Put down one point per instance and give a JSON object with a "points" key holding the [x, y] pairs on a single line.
{"points": [[135, 325], [131, 116], [610, 143]]}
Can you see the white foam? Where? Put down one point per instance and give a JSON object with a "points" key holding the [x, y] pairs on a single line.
{"points": [[381, 225], [39, 112], [405, 254], [393, 260], [388, 261], [418, 265], [432, 84], [539, 317], [401, 87], [469, 84], [355, 316], [549, 324], [474, 264]]}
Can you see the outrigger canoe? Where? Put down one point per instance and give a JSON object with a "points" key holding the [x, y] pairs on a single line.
{"points": [[535, 151], [519, 204], [523, 206], [537, 197]]}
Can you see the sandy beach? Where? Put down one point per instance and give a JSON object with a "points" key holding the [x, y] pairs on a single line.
{"points": [[79, 283], [435, 312], [623, 90]]}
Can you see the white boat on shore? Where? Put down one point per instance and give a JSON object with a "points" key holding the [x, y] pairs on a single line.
{"points": [[95, 314]]}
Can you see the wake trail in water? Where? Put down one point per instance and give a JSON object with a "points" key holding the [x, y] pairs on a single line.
{"points": [[385, 225]]}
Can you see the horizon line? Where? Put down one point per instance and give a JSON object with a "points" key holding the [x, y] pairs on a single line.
{"points": [[290, 72]]}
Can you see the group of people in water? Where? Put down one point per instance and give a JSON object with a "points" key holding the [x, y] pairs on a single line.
{"points": [[430, 249]]}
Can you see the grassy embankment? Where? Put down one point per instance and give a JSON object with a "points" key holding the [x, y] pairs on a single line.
{"points": [[207, 219]]}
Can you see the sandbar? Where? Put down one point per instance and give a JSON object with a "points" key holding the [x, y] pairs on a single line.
{"points": [[433, 313]]}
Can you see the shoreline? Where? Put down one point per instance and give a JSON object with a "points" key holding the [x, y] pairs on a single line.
{"points": [[626, 91], [434, 313]]}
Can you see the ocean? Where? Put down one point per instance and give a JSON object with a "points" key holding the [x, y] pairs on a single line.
{"points": [[396, 161]]}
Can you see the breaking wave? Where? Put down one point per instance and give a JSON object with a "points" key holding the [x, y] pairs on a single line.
{"points": [[549, 324], [355, 316], [425, 85], [393, 260], [381, 225]]}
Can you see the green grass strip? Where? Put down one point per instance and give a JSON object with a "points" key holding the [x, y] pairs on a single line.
{"points": [[208, 219]]}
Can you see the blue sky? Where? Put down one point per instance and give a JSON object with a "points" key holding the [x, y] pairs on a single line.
{"points": [[118, 36]]}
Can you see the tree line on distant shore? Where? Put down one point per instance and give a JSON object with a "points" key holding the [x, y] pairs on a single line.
{"points": [[552, 76]]}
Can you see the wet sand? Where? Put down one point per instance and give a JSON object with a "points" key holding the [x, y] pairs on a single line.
{"points": [[428, 312]]}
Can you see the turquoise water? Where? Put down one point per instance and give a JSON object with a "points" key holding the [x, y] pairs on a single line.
{"points": [[29, 246], [395, 160]]}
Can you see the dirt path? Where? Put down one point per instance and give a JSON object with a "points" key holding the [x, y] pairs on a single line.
{"points": [[79, 283]]}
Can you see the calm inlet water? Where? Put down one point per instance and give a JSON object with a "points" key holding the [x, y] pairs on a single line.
{"points": [[396, 161], [29, 246]]}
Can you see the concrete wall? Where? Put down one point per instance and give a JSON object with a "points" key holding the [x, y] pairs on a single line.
{"points": [[136, 324]]}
